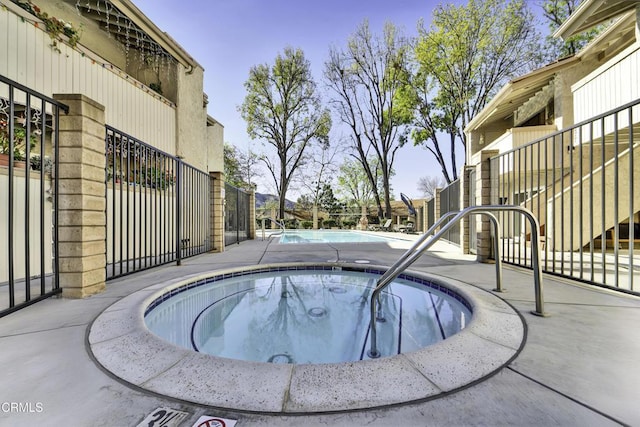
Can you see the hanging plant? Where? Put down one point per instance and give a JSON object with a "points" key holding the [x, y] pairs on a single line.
{"points": [[156, 87], [53, 26]]}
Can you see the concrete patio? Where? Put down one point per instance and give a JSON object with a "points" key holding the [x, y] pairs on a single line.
{"points": [[578, 367]]}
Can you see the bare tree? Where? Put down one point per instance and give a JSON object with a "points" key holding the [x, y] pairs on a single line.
{"points": [[428, 185], [365, 78], [320, 168]]}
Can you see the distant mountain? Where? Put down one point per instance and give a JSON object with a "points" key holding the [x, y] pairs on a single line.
{"points": [[262, 199]]}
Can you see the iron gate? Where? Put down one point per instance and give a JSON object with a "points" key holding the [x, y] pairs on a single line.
{"points": [[236, 219], [29, 144]]}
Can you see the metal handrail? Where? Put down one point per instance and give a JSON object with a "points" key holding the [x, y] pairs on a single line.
{"points": [[417, 250], [413, 253], [281, 224]]}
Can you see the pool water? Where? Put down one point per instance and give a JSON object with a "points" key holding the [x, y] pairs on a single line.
{"points": [[330, 236], [304, 316]]}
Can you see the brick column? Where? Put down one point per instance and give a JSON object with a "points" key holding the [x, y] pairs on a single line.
{"points": [[81, 197], [484, 190], [216, 211], [315, 217], [252, 215]]}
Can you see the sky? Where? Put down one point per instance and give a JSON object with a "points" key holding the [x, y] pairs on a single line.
{"points": [[229, 37]]}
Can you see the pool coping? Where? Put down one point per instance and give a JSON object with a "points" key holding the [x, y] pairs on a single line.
{"points": [[378, 237], [120, 342]]}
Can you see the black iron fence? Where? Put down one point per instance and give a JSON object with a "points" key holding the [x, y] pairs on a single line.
{"points": [[157, 206], [28, 196], [431, 212], [450, 201], [237, 215], [582, 184], [473, 238]]}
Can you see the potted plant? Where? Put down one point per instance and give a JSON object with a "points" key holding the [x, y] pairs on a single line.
{"points": [[37, 163], [19, 144]]}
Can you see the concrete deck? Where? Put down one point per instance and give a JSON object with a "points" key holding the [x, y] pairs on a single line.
{"points": [[579, 366]]}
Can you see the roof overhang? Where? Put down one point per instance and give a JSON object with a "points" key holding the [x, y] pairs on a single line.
{"points": [[615, 37], [517, 92], [212, 122], [93, 11], [591, 13]]}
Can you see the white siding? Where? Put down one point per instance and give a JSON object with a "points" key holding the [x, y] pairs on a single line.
{"points": [[19, 214], [612, 85], [27, 57]]}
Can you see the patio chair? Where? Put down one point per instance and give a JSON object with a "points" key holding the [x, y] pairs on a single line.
{"points": [[386, 226], [408, 228]]}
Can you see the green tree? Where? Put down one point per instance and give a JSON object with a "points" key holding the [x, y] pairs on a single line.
{"points": [[232, 166], [283, 109], [365, 78], [353, 185], [469, 52], [556, 13], [304, 203], [327, 200], [240, 167]]}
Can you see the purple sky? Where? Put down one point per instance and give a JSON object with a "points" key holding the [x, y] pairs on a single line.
{"points": [[228, 37]]}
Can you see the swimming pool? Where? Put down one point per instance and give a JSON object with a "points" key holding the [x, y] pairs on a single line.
{"points": [[330, 236], [315, 315]]}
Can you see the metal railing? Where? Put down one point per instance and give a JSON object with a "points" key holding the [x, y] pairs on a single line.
{"points": [[157, 206], [275, 221], [450, 202], [29, 127], [582, 183], [237, 213], [424, 243]]}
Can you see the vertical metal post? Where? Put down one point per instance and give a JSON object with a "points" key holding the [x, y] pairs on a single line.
{"points": [[632, 221], [27, 196], [42, 199], [178, 212], [616, 226], [136, 190], [580, 202], [56, 205], [571, 219], [591, 196], [10, 215], [603, 246], [128, 187]]}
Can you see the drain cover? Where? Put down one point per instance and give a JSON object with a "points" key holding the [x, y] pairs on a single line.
{"points": [[317, 312]]}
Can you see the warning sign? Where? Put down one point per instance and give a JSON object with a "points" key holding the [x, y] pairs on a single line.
{"points": [[208, 421]]}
